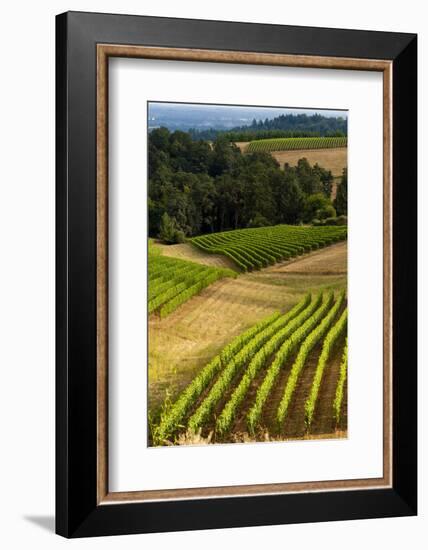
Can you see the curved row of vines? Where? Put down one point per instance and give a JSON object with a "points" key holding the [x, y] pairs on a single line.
{"points": [[173, 281], [256, 248], [293, 144], [250, 387]]}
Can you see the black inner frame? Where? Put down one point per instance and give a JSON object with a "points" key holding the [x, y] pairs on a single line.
{"points": [[77, 513]]}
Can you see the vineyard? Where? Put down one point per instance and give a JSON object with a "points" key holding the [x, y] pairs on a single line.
{"points": [[268, 383], [172, 281], [256, 248], [292, 144]]}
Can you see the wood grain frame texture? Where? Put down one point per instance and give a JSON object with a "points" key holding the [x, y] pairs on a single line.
{"points": [[104, 52]]}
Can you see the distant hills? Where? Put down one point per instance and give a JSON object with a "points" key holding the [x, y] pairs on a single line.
{"points": [[289, 125], [245, 123]]}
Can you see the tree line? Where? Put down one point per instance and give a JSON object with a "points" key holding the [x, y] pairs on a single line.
{"points": [[290, 125], [197, 187]]}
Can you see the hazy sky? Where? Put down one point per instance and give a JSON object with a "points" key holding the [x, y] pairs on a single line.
{"points": [[199, 115], [244, 109]]}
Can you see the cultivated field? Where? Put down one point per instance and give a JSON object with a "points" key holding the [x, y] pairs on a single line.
{"points": [[247, 326], [257, 248], [292, 144], [190, 338], [335, 159], [174, 281], [191, 253]]}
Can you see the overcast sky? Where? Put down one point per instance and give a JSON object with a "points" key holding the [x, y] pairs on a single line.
{"points": [[245, 110]]}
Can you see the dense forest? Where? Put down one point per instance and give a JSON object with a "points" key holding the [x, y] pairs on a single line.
{"points": [[198, 187], [289, 125]]}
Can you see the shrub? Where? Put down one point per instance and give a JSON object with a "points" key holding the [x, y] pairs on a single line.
{"points": [[327, 212], [170, 232], [259, 221]]}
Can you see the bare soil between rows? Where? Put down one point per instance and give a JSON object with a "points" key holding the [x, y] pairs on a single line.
{"points": [[185, 341]]}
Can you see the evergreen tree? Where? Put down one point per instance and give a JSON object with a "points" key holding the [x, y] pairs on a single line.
{"points": [[169, 232], [341, 200]]}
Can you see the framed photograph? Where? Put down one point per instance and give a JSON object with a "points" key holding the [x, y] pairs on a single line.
{"points": [[236, 274]]}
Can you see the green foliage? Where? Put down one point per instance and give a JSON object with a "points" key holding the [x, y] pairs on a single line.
{"points": [[211, 187], [341, 200], [292, 144], [338, 399], [259, 221], [340, 220], [290, 125], [268, 344], [231, 370], [153, 249], [288, 195], [172, 281], [337, 220], [169, 231], [326, 178], [294, 316], [332, 336], [255, 248], [318, 207], [328, 212], [308, 178], [173, 416], [300, 328], [308, 344], [202, 281]]}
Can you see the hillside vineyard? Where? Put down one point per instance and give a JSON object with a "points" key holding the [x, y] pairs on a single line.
{"points": [[259, 247], [234, 386]]}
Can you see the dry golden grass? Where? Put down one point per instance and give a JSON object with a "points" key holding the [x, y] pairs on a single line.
{"points": [[334, 159], [331, 159], [188, 438], [180, 344], [189, 252], [242, 145], [332, 260]]}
